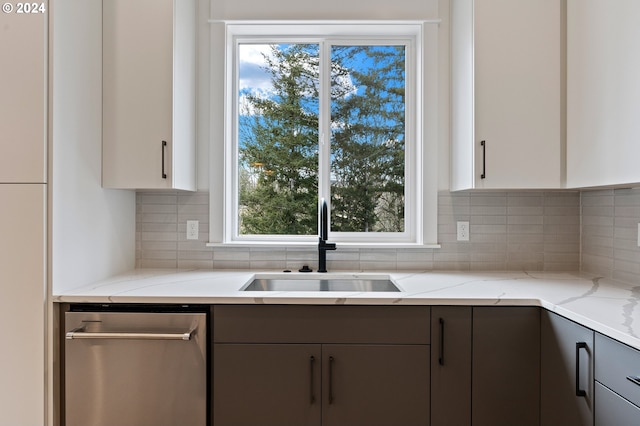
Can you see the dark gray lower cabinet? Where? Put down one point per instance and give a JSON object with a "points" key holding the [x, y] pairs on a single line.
{"points": [[350, 385], [369, 385], [617, 371], [567, 395], [321, 365], [614, 410], [451, 365], [266, 384], [506, 366], [416, 366]]}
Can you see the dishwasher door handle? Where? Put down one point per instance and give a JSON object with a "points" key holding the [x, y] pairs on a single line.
{"points": [[78, 333]]}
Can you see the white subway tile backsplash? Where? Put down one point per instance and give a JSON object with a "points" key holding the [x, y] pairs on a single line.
{"points": [[508, 230], [517, 220], [488, 220], [154, 263], [195, 264], [157, 218], [597, 230], [156, 198], [523, 211], [231, 264], [150, 246], [231, 254], [162, 254], [609, 233]]}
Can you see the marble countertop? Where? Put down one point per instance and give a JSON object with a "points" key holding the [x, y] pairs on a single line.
{"points": [[603, 305]]}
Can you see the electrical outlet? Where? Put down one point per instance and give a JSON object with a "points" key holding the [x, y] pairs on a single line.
{"points": [[463, 231], [192, 230]]}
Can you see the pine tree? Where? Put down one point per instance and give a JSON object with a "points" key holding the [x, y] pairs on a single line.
{"points": [[367, 167], [278, 153]]}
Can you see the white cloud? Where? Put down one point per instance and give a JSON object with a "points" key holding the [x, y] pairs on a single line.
{"points": [[252, 67]]}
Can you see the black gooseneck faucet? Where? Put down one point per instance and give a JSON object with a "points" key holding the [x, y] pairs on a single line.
{"points": [[323, 245]]}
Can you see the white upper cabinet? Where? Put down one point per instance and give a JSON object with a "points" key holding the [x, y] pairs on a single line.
{"points": [[23, 96], [149, 73], [506, 90], [603, 92]]}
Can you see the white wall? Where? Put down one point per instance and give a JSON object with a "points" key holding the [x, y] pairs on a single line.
{"points": [[326, 9], [92, 229]]}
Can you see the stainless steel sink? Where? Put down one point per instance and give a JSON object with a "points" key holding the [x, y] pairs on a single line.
{"points": [[315, 283]]}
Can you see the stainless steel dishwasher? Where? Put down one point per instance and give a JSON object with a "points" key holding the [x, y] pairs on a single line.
{"points": [[135, 365]]}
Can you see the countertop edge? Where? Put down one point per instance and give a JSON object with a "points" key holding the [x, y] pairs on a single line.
{"points": [[515, 288]]}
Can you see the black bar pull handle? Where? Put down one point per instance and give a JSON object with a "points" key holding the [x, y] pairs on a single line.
{"points": [[312, 361], [441, 356], [634, 379], [579, 345], [164, 148], [331, 360], [483, 144]]}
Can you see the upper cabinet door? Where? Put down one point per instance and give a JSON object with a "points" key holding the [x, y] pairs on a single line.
{"points": [[506, 88], [603, 92], [149, 72], [23, 95]]}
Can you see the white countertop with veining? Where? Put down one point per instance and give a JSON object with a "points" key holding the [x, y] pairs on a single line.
{"points": [[603, 305]]}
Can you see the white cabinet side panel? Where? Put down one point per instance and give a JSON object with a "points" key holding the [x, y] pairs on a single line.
{"points": [[22, 305], [23, 50], [462, 152], [184, 95]]}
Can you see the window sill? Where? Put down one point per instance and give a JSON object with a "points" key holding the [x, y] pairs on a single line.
{"points": [[314, 245]]}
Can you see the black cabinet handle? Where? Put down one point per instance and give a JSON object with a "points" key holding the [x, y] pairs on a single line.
{"points": [[331, 380], [441, 356], [634, 379], [579, 345], [312, 361], [164, 147], [483, 144]]}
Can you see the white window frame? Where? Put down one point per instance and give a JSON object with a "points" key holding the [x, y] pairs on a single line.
{"points": [[420, 146]]}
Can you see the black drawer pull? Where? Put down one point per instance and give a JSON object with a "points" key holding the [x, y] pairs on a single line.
{"points": [[483, 144], [312, 361], [579, 345], [331, 360], [441, 357], [164, 147], [634, 379]]}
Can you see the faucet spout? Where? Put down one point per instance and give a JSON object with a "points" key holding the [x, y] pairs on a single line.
{"points": [[323, 245]]}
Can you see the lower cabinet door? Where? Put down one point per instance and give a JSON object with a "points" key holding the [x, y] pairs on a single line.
{"points": [[506, 366], [613, 410], [567, 349], [375, 385], [451, 366], [266, 385]]}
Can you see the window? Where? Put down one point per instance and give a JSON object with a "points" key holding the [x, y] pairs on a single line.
{"points": [[324, 111]]}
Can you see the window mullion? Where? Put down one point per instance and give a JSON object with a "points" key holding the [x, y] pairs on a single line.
{"points": [[324, 144]]}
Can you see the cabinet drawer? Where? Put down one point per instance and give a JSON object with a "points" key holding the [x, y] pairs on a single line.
{"points": [[614, 362], [321, 324], [613, 410]]}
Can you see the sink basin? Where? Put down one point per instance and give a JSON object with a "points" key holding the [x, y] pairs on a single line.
{"points": [[316, 283]]}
